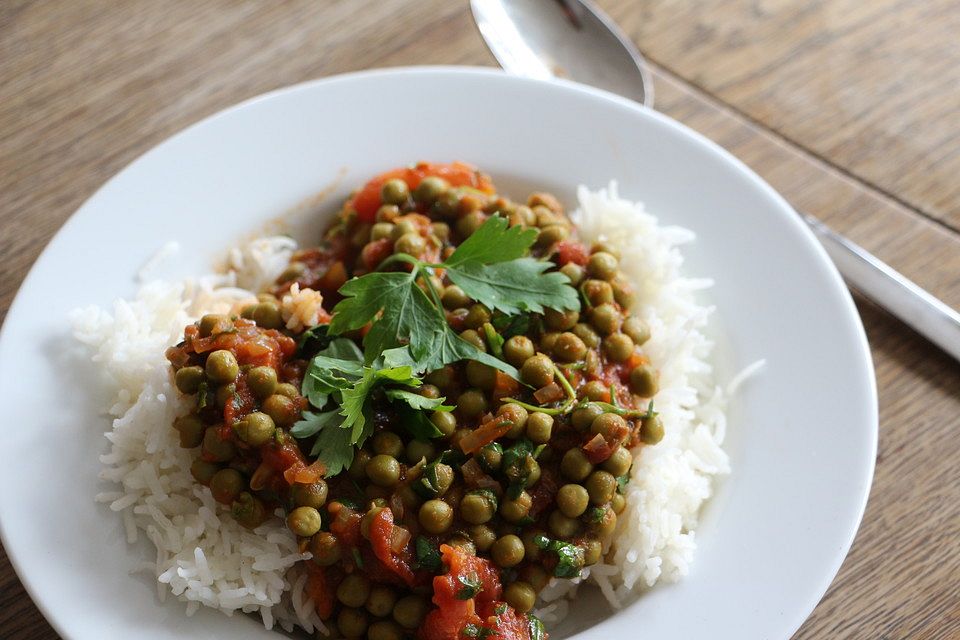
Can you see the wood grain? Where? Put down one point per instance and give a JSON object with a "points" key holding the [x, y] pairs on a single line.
{"points": [[873, 88], [86, 86]]}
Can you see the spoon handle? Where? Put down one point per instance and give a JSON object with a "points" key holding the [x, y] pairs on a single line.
{"points": [[863, 271]]}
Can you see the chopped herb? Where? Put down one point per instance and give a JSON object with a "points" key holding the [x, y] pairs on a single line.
{"points": [[202, 392], [428, 556], [537, 631], [470, 586], [595, 515], [494, 340], [622, 482], [569, 556], [313, 340], [500, 609], [357, 558]]}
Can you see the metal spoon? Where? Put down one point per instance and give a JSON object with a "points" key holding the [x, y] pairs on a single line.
{"points": [[575, 40]]}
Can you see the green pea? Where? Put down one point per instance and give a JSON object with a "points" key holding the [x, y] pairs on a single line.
{"points": [[281, 409], [575, 466], [387, 213], [583, 417], [471, 336], [418, 450], [572, 500], [358, 468], [441, 231], [410, 611], [222, 367], [325, 548], [429, 391], [602, 265], [287, 390], [383, 470], [381, 600], [226, 485], [601, 485], [561, 526], [293, 271], [435, 516], [539, 427], [216, 448], [515, 510], [481, 375], [381, 231], [517, 349], [472, 403], [385, 630], [637, 329], [569, 347], [549, 340], [267, 315], [490, 456], [411, 244], [224, 394], [507, 551], [552, 234], [592, 551], [574, 272], [477, 316], [191, 430], [598, 292], [619, 461], [354, 590], [304, 521], [249, 511], [520, 595], [483, 537], [444, 421], [454, 298], [468, 224], [618, 503], [643, 381], [352, 623], [477, 507], [586, 333], [429, 189], [623, 292], [611, 426], [387, 443], [596, 391], [618, 347], [255, 429], [262, 381], [394, 191], [605, 319], [537, 370], [188, 379], [535, 576], [651, 430], [517, 416], [203, 471], [561, 320], [310, 495]]}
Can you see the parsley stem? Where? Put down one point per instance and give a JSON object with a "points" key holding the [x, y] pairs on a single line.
{"points": [[567, 405], [625, 413], [401, 257]]}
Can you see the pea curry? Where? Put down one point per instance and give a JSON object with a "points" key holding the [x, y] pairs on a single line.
{"points": [[455, 428]]}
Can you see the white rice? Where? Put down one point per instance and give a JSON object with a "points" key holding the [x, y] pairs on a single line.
{"points": [[203, 557]]}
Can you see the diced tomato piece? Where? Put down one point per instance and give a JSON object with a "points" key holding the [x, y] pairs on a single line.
{"points": [[381, 538], [320, 590], [571, 251], [504, 386], [485, 434], [452, 614], [508, 625]]}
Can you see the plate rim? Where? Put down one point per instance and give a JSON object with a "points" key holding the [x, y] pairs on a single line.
{"points": [[785, 210]]}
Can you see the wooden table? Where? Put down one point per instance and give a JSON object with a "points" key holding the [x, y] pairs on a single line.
{"points": [[850, 109]]}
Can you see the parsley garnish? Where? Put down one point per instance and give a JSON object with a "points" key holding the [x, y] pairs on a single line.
{"points": [[470, 586], [537, 631], [489, 266], [569, 556], [338, 375], [428, 556]]}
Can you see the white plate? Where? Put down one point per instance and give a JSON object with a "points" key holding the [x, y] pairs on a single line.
{"points": [[802, 437]]}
